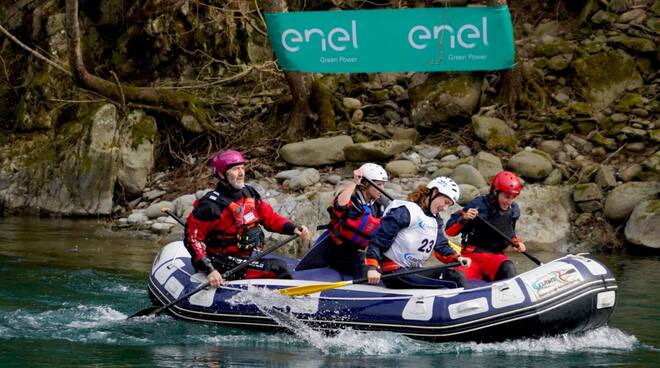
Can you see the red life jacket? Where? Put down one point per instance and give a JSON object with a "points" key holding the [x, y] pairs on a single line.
{"points": [[353, 231], [237, 233]]}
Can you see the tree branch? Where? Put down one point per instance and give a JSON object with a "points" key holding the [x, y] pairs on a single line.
{"points": [[34, 52]]}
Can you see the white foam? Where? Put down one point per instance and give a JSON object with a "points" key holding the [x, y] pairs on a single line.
{"points": [[352, 342]]}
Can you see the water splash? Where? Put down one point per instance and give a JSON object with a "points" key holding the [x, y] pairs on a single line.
{"points": [[352, 342]]}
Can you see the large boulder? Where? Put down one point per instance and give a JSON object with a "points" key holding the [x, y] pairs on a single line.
{"points": [[605, 76], [624, 198], [376, 150], [316, 152], [487, 164], [137, 152], [495, 132], [443, 97], [643, 226], [546, 212], [467, 174], [531, 164]]}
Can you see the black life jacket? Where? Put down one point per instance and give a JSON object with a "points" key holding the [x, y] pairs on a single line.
{"points": [[486, 239]]}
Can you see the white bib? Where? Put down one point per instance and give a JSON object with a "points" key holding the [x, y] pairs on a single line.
{"points": [[414, 244]]}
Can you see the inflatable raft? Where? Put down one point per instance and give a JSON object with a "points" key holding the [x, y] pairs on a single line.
{"points": [[570, 294]]}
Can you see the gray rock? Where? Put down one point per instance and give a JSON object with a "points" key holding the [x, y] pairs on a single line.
{"points": [[652, 163], [495, 132], [287, 174], [561, 98], [643, 227], [622, 200], [551, 146], [618, 117], [487, 164], [351, 103], [601, 89], [554, 178], [468, 193], [333, 179], [154, 211], [316, 152], [467, 174], [375, 150], [545, 223], [182, 203], [136, 157], [357, 115], [191, 124], [587, 192], [630, 172], [531, 165], [137, 218], [153, 194], [463, 150], [590, 206], [427, 151], [605, 177], [401, 168], [410, 134], [306, 178], [161, 228], [442, 97]]}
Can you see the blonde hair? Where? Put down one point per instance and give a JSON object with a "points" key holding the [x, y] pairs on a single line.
{"points": [[420, 195]]}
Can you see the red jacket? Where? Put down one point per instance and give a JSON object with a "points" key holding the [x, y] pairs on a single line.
{"points": [[223, 216]]}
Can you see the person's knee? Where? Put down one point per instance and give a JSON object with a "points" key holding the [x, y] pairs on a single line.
{"points": [[506, 271]]}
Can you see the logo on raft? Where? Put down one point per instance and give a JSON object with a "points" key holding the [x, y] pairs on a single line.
{"points": [[555, 280]]}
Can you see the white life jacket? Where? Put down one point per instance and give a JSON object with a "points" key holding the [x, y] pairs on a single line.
{"points": [[414, 244]]}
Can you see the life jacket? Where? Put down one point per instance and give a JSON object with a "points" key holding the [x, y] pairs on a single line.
{"points": [[414, 244], [487, 240], [358, 231], [240, 232]]}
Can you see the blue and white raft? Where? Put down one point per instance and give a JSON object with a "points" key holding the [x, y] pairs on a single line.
{"points": [[570, 294]]}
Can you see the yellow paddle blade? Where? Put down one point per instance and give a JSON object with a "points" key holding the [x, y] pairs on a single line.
{"points": [[311, 289], [455, 247]]}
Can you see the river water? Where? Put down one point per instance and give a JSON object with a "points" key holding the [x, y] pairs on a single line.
{"points": [[66, 288]]}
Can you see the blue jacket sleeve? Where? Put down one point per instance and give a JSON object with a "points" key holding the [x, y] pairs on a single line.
{"points": [[390, 225], [442, 251]]}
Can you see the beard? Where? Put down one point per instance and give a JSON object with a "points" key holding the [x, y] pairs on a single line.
{"points": [[237, 183]]}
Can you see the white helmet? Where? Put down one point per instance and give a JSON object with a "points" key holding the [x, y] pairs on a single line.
{"points": [[446, 187], [374, 172]]}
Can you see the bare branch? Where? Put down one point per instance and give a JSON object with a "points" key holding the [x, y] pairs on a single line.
{"points": [[34, 52]]}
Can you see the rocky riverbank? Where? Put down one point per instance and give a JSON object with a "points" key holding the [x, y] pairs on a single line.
{"points": [[577, 119]]}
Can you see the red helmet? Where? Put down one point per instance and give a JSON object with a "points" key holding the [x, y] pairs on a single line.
{"points": [[224, 160], [507, 182]]}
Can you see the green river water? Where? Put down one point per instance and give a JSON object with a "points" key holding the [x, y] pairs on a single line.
{"points": [[66, 288]]}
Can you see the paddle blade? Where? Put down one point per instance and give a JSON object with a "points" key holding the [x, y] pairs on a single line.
{"points": [[311, 289], [146, 311]]}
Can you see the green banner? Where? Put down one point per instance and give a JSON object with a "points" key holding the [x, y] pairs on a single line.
{"points": [[393, 40]]}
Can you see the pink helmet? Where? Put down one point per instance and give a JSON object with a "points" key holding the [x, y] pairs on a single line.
{"points": [[224, 160], [507, 182]]}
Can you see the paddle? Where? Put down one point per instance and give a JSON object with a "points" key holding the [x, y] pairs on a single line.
{"points": [[315, 288], [177, 218], [378, 188], [534, 259], [505, 237], [156, 310]]}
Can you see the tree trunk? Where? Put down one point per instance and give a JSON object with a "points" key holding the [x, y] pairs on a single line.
{"points": [[299, 84], [146, 95], [511, 79]]}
